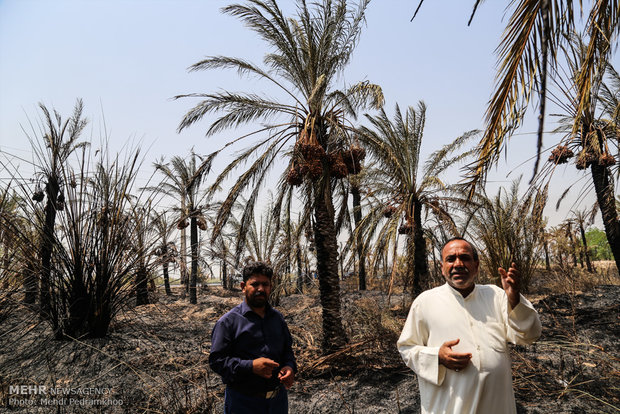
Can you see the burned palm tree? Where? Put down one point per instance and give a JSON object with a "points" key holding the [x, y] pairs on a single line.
{"points": [[60, 139]]}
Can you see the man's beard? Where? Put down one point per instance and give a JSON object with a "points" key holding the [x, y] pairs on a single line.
{"points": [[256, 300]]}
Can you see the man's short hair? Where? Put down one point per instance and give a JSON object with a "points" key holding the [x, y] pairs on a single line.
{"points": [[257, 268], [474, 251]]}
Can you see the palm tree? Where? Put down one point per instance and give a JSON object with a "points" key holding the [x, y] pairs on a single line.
{"points": [[533, 43], [509, 226], [60, 139], [596, 142], [359, 242], [182, 179], [165, 250], [308, 54], [265, 241], [402, 189], [583, 219]]}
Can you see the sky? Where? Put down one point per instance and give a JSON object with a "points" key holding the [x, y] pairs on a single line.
{"points": [[127, 59]]}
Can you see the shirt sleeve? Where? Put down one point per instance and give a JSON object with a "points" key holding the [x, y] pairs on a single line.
{"points": [[220, 360], [523, 324], [422, 359]]}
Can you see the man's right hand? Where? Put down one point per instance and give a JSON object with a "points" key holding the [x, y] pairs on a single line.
{"points": [[264, 367], [450, 359]]}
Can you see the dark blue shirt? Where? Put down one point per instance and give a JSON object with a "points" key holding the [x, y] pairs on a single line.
{"points": [[241, 336]]}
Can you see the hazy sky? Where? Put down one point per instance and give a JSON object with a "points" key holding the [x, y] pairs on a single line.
{"points": [[127, 58]]}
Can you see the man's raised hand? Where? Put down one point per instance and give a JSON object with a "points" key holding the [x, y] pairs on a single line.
{"points": [[511, 282]]}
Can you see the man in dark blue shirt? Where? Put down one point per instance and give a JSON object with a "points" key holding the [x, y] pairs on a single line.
{"points": [[251, 348]]}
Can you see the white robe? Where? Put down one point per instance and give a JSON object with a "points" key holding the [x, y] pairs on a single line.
{"points": [[484, 323]]}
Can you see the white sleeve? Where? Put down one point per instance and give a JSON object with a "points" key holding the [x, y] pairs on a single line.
{"points": [[523, 323], [422, 359]]}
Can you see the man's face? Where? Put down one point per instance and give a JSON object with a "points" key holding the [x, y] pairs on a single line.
{"points": [[458, 266], [257, 290]]}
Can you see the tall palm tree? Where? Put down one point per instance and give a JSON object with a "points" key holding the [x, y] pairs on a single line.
{"points": [[60, 140], [403, 190], [308, 54], [597, 142], [182, 179]]}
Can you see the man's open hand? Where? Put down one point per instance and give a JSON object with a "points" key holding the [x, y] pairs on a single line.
{"points": [[263, 367], [511, 282], [286, 376], [450, 359]]}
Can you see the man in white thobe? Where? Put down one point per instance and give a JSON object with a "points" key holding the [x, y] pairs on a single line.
{"points": [[455, 337]]}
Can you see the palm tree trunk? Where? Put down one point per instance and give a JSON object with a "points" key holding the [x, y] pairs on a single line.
{"points": [[47, 243], [184, 278], [420, 269], [300, 275], [357, 217], [224, 274], [142, 293], [546, 248], [571, 240], [194, 246], [166, 277], [604, 187], [327, 267], [585, 248]]}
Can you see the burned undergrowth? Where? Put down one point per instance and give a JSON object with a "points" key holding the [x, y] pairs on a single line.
{"points": [[155, 358]]}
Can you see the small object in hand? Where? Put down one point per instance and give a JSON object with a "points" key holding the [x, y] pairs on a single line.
{"points": [[457, 370]]}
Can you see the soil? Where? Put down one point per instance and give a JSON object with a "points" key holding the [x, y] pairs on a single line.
{"points": [[155, 359]]}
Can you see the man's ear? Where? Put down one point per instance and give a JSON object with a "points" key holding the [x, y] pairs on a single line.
{"points": [[242, 285]]}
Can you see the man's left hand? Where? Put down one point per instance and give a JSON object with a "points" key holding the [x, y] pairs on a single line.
{"points": [[511, 282], [286, 376]]}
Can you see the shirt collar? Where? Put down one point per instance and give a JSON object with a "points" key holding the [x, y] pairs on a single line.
{"points": [[458, 295], [245, 308]]}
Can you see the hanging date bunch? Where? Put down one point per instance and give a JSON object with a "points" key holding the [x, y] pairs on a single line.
{"points": [[388, 211], [353, 158], [585, 159], [201, 221], [182, 223], [606, 159], [560, 155], [308, 154]]}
